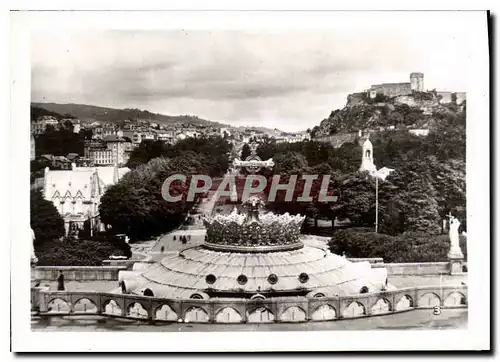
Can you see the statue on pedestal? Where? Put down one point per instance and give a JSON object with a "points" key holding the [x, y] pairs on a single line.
{"points": [[455, 251]]}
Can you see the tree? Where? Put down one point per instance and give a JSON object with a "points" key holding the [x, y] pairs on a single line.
{"points": [[46, 222], [59, 143], [135, 205], [245, 151]]}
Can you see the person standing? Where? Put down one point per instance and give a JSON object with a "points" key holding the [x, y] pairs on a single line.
{"points": [[60, 281]]}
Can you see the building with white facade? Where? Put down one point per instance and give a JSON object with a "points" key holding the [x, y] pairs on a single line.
{"points": [[76, 193], [110, 150]]}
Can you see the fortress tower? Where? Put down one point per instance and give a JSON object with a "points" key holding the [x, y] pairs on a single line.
{"points": [[417, 82]]}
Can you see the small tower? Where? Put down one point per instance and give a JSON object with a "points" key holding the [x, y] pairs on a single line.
{"points": [[367, 157]]}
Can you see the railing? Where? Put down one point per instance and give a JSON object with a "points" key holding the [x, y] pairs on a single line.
{"points": [[79, 273], [294, 309]]}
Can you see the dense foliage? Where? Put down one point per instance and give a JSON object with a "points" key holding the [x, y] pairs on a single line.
{"points": [[428, 181], [45, 221], [60, 142], [405, 248], [245, 151], [214, 151], [135, 205], [89, 252]]}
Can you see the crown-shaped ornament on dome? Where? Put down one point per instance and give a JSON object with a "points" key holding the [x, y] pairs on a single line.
{"points": [[253, 232]]}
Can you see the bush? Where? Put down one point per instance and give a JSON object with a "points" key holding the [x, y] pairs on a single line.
{"points": [[405, 248], [77, 252]]}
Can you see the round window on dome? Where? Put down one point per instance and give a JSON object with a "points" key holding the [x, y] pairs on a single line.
{"points": [[210, 279], [303, 277], [272, 279], [242, 279]]}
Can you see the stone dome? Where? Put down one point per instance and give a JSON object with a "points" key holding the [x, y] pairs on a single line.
{"points": [[234, 274], [248, 254]]}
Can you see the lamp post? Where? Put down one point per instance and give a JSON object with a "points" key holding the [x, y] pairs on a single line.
{"points": [[382, 174]]}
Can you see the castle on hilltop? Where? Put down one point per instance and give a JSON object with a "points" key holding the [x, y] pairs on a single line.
{"points": [[416, 84]]}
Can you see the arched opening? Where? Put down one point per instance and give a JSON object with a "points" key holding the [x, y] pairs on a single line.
{"points": [[257, 297], [464, 269], [367, 153], [363, 290], [381, 306], [196, 296], [112, 308], [260, 315], [85, 305], [324, 312], [58, 305], [228, 315], [404, 303], [166, 313], [355, 309], [148, 293], [293, 314], [136, 310], [429, 300], [195, 314], [455, 299]]}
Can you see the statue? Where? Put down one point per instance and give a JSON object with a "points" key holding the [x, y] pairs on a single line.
{"points": [[253, 204], [455, 251], [34, 259]]}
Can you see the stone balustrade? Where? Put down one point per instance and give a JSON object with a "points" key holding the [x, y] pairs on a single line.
{"points": [[79, 273], [293, 309], [432, 268]]}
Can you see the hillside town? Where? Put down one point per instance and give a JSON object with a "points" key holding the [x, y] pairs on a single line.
{"points": [[108, 144]]}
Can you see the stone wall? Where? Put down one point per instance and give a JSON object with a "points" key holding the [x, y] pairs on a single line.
{"points": [[294, 309], [128, 263], [78, 273], [370, 260], [415, 268], [391, 89], [355, 98], [338, 139]]}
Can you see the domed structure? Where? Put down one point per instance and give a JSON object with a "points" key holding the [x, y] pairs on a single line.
{"points": [[254, 254]]}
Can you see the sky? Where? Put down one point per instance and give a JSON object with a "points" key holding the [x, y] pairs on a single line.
{"points": [[289, 79]]}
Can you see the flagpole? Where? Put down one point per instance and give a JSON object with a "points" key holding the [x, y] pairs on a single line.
{"points": [[376, 204]]}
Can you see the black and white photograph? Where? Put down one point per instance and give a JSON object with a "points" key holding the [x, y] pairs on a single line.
{"points": [[215, 174]]}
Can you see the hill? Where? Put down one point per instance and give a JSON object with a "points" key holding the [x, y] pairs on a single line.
{"points": [[37, 112], [89, 113], [418, 110]]}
